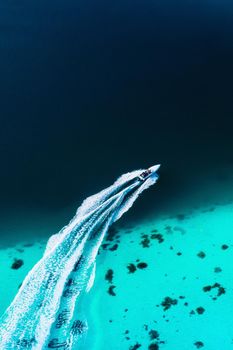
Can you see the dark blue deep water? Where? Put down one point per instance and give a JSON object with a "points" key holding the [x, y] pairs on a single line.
{"points": [[91, 89]]}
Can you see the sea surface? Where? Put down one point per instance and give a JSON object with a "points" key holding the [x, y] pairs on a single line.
{"points": [[90, 90]]}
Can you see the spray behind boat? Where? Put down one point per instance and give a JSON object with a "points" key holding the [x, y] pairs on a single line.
{"points": [[45, 313]]}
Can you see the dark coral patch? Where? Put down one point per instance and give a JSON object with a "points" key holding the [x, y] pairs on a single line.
{"points": [[132, 268], [111, 291], [153, 334], [199, 344], [217, 269], [207, 288], [158, 237], [17, 264], [145, 242], [220, 290], [109, 275], [135, 347], [168, 302], [201, 255], [200, 310], [153, 346], [114, 247], [142, 265]]}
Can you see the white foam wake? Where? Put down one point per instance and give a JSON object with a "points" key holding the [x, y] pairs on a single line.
{"points": [[45, 312]]}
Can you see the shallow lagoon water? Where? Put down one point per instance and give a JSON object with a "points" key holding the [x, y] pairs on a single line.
{"points": [[171, 294], [162, 282]]}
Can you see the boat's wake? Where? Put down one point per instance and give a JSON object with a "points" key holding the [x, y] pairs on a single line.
{"points": [[45, 314]]}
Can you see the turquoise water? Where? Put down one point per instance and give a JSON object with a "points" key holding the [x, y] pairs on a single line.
{"points": [[164, 282], [191, 256]]}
